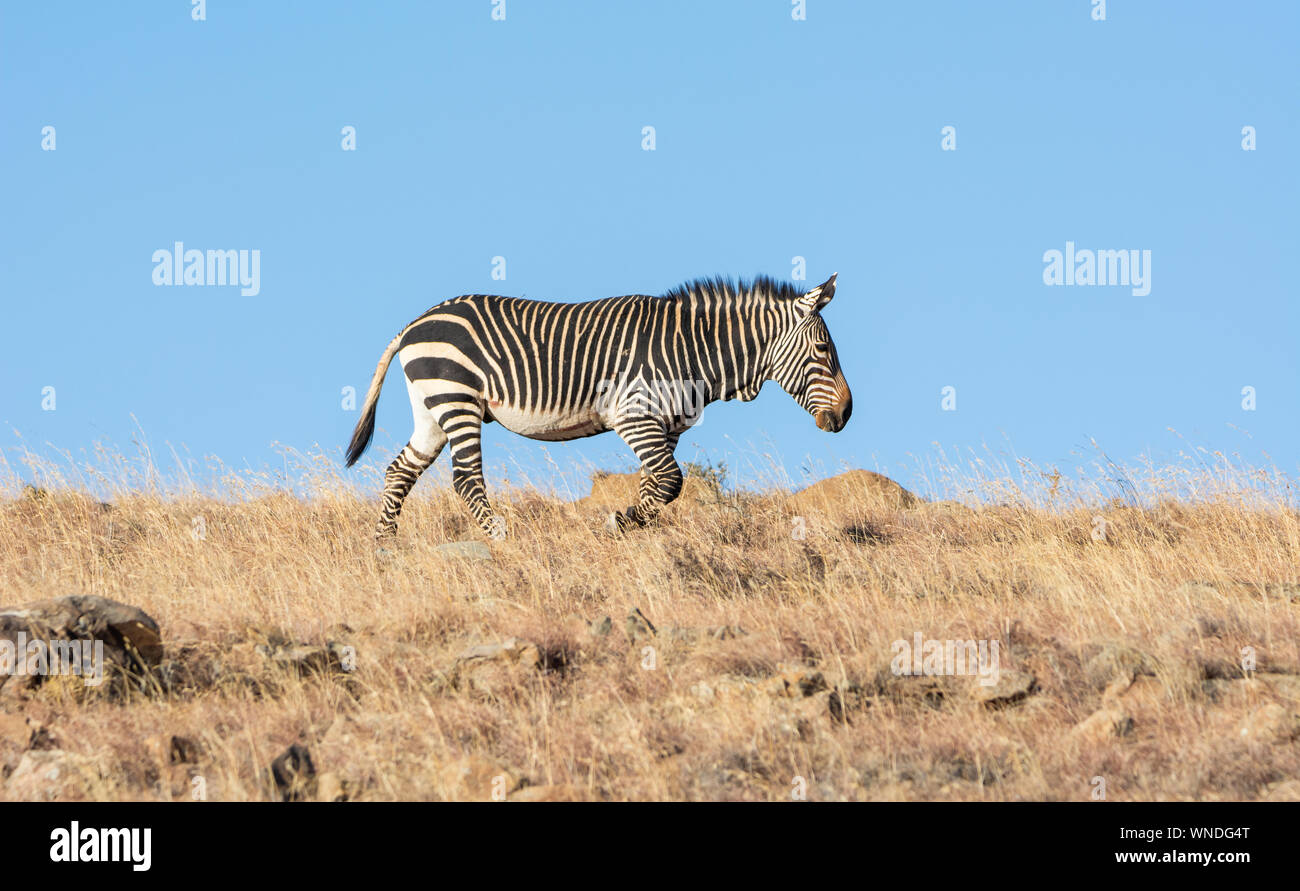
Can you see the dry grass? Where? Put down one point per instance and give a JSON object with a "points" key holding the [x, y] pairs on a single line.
{"points": [[1173, 594]]}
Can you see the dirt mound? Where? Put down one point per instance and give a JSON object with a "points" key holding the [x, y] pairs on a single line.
{"points": [[853, 489], [615, 491]]}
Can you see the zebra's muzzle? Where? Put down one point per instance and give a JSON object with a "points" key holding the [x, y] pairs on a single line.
{"points": [[832, 420]]}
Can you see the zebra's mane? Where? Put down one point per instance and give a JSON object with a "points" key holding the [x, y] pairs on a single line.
{"points": [[761, 289]]}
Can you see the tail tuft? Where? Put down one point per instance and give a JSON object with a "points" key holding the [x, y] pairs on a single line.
{"points": [[366, 426], [362, 435]]}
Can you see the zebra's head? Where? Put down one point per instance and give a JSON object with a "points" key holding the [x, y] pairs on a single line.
{"points": [[805, 364]]}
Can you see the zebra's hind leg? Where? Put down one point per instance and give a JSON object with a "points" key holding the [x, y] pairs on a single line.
{"points": [[661, 477], [401, 475], [464, 431]]}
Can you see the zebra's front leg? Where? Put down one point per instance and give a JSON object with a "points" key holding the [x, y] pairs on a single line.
{"points": [[464, 433], [661, 477]]}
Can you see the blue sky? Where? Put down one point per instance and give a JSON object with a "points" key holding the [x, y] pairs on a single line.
{"points": [[774, 138]]}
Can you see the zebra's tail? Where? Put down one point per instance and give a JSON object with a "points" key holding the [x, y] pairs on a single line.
{"points": [[366, 425]]}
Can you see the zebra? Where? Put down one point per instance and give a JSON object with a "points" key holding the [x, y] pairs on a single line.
{"points": [[639, 365]]}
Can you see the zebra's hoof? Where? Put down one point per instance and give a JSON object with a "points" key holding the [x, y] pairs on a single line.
{"points": [[616, 523], [496, 529]]}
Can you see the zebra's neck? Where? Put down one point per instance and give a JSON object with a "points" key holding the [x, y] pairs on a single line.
{"points": [[732, 332]]}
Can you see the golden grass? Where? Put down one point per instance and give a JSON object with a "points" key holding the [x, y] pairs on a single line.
{"points": [[1174, 592]]}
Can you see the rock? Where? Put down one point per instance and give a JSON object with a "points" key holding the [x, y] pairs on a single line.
{"points": [[1140, 698], [703, 691], [930, 690], [51, 775], [1117, 688], [686, 634], [638, 627], [1106, 723], [490, 669], [1287, 790], [42, 735], [177, 782], [795, 722], [168, 749], [130, 637], [294, 774], [853, 490], [1191, 633], [1271, 724], [1284, 686], [725, 632], [15, 732], [1116, 660], [1288, 591], [306, 659], [1010, 688], [474, 778], [794, 682], [464, 550], [846, 700], [513, 649], [329, 787], [556, 792], [1211, 668], [726, 688], [184, 750]]}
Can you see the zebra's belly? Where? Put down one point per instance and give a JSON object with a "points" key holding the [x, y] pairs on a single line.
{"points": [[552, 425]]}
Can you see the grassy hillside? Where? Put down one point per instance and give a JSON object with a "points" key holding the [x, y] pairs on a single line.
{"points": [[740, 649]]}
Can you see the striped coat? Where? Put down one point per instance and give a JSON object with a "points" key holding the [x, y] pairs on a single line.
{"points": [[641, 366]]}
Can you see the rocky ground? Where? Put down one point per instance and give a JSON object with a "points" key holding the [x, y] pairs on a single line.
{"points": [[744, 648]]}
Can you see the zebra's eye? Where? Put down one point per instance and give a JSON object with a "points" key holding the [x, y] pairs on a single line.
{"points": [[822, 346]]}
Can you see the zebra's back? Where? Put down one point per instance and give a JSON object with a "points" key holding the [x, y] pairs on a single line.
{"points": [[538, 365]]}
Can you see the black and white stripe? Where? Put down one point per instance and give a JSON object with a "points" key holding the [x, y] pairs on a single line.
{"points": [[640, 366]]}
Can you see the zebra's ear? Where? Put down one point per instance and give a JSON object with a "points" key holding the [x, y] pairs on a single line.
{"points": [[818, 297]]}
